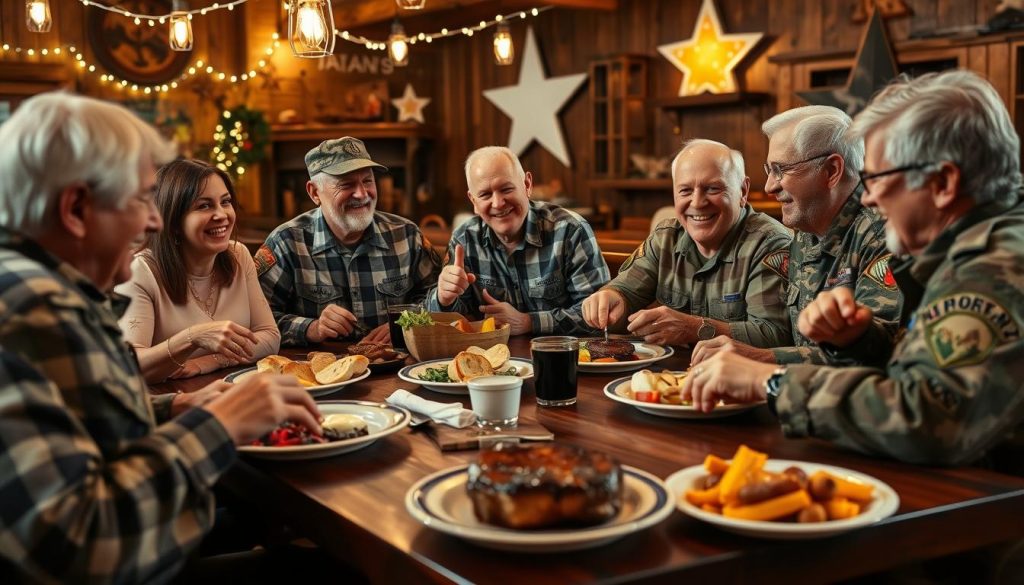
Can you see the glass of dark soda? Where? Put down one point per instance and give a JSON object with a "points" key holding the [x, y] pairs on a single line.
{"points": [[554, 369]]}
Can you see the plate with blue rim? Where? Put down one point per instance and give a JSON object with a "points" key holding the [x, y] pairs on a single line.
{"points": [[524, 370], [440, 502], [646, 353], [314, 391]]}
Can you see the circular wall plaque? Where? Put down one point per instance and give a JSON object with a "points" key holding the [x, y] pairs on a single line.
{"points": [[136, 52]]}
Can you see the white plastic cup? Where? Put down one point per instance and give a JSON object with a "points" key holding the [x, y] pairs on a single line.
{"points": [[495, 400]]}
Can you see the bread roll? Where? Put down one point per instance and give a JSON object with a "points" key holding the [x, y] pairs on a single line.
{"points": [[272, 363], [318, 360], [339, 371], [469, 366], [302, 371], [360, 363]]}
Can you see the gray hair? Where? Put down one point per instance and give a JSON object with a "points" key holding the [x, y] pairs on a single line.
{"points": [[953, 116], [820, 129], [56, 140], [489, 151], [736, 167]]}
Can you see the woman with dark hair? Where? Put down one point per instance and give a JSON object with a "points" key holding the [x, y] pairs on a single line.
{"points": [[196, 303]]}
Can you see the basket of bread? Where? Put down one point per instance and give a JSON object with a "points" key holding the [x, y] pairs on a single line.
{"points": [[439, 335], [322, 368]]}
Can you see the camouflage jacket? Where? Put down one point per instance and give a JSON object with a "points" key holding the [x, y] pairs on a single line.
{"points": [[953, 388], [742, 284], [852, 254]]}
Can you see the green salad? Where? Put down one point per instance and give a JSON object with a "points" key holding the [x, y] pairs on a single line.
{"points": [[408, 319]]}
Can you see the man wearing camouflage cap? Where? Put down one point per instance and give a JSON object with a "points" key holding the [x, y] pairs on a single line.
{"points": [[839, 244], [942, 164], [330, 272]]}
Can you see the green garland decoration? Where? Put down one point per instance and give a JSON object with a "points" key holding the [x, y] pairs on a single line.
{"points": [[240, 140]]}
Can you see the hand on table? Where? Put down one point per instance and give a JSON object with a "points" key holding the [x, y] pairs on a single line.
{"points": [[334, 321], [226, 338], [664, 326], [506, 313], [728, 377], [722, 343], [258, 403]]}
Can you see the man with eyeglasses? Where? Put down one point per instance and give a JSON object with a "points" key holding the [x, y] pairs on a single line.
{"points": [[331, 272], [839, 244], [714, 269], [526, 263], [943, 166]]}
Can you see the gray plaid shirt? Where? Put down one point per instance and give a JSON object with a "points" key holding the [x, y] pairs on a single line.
{"points": [[303, 268], [556, 266]]}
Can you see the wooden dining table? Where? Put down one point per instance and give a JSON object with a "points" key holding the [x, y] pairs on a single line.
{"points": [[353, 504]]}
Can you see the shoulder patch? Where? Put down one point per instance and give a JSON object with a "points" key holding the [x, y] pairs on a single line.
{"points": [[778, 261], [638, 253], [265, 260], [880, 273], [963, 329]]}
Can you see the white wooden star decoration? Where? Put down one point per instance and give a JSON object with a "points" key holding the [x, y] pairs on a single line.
{"points": [[709, 57], [409, 106], [534, 104]]}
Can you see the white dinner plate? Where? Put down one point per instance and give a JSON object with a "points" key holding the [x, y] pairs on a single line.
{"points": [[619, 390], [381, 420], [439, 501], [319, 390], [884, 504], [647, 352], [412, 374]]}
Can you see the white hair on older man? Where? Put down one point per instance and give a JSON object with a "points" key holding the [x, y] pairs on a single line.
{"points": [[736, 171], [820, 130], [56, 140], [953, 116], [489, 151]]}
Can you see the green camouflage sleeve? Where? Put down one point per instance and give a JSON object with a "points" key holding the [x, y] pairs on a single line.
{"points": [[953, 386], [638, 276], [767, 322], [803, 354]]}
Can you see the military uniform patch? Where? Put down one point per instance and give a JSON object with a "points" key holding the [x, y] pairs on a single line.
{"points": [[963, 329], [779, 262], [880, 272], [638, 253], [265, 260], [843, 277]]}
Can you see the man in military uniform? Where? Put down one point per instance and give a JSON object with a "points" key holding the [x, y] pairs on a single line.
{"points": [[942, 164], [812, 171], [331, 271], [525, 263], [715, 269]]}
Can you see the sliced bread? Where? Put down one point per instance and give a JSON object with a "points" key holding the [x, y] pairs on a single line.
{"points": [[272, 363], [319, 360]]}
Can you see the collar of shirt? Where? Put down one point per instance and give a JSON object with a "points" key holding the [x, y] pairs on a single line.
{"points": [[686, 247], [832, 243], [323, 237]]}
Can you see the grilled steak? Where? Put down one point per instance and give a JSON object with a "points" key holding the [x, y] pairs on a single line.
{"points": [[538, 486], [373, 351], [620, 350]]}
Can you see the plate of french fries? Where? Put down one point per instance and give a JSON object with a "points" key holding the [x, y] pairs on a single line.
{"points": [[779, 498], [320, 373], [657, 393]]}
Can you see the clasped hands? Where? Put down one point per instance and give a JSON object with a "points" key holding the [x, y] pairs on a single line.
{"points": [[454, 281]]}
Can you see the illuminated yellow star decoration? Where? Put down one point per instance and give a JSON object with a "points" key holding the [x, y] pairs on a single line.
{"points": [[410, 107], [707, 58]]}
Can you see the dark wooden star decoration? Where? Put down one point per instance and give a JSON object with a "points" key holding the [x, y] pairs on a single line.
{"points": [[874, 67]]}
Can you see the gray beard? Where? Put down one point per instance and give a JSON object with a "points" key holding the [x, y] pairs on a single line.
{"points": [[892, 241], [351, 224]]}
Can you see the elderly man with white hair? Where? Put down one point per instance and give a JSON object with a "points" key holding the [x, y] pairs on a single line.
{"points": [[812, 170], [717, 268], [526, 263], [942, 164], [97, 486]]}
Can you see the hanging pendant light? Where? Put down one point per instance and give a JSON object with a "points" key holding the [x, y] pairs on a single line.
{"points": [[504, 50], [311, 28], [411, 4], [180, 32], [37, 15], [398, 45]]}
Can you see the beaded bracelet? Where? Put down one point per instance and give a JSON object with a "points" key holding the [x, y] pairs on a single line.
{"points": [[171, 355]]}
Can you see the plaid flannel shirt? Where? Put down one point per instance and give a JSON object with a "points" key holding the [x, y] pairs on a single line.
{"points": [[743, 284], [303, 269], [556, 266], [90, 488]]}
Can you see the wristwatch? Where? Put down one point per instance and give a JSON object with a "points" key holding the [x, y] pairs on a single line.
{"points": [[706, 329], [772, 389]]}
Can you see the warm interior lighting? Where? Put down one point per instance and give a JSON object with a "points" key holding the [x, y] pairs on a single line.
{"points": [[504, 50], [411, 4], [37, 15], [311, 28], [180, 32], [398, 45]]}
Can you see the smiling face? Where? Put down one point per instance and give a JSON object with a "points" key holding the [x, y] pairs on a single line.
{"points": [[114, 234], [803, 191], [207, 225], [347, 201], [709, 194], [500, 196]]}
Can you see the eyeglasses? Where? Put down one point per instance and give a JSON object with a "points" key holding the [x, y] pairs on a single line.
{"points": [[777, 170], [865, 177]]}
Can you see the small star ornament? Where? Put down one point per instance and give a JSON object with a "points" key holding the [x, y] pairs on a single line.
{"points": [[409, 106], [534, 103], [709, 57]]}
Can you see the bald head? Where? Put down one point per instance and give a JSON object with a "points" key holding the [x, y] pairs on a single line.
{"points": [[729, 161]]}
